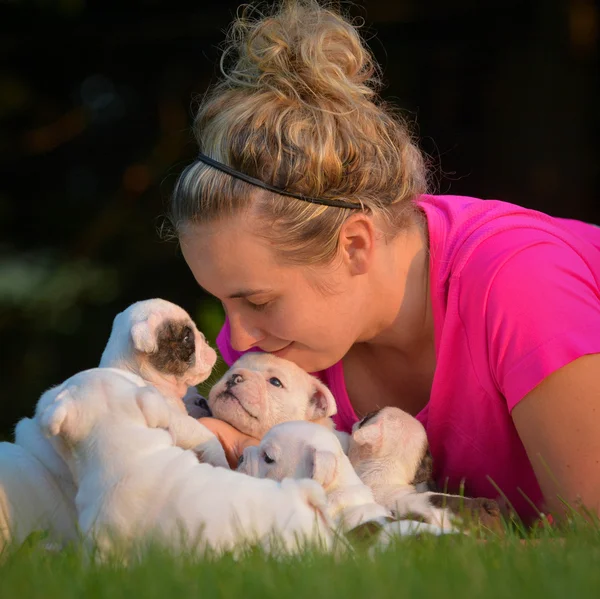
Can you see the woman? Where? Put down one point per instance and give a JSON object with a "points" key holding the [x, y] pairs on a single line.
{"points": [[306, 214]]}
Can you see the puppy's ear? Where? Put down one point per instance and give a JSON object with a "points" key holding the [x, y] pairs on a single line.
{"points": [[59, 417], [324, 467], [143, 334], [154, 408], [370, 435], [321, 403]]}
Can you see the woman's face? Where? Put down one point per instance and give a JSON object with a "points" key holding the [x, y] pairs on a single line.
{"points": [[310, 315]]}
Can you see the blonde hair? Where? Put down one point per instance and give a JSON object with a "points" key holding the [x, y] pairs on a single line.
{"points": [[297, 108]]}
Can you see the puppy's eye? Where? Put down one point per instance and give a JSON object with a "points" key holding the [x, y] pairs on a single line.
{"points": [[268, 459], [275, 382]]}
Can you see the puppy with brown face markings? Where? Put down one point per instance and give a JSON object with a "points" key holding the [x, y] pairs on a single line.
{"points": [[390, 453], [159, 341], [261, 390], [125, 447], [152, 341]]}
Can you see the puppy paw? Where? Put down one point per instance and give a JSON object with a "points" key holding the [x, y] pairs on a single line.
{"points": [[211, 452]]}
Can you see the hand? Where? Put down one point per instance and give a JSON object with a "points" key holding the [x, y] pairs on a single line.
{"points": [[233, 441]]}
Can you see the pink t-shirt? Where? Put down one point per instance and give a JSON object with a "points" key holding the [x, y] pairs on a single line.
{"points": [[516, 296]]}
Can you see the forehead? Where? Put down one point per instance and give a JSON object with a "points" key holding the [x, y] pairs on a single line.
{"points": [[227, 259], [227, 250]]}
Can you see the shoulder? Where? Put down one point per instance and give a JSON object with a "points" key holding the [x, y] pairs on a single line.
{"points": [[533, 298], [467, 234], [529, 259]]}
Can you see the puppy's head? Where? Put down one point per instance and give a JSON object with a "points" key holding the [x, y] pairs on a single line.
{"points": [[261, 390], [295, 450], [159, 341], [393, 444]]}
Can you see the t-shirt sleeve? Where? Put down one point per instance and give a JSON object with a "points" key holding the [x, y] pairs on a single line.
{"points": [[539, 307]]}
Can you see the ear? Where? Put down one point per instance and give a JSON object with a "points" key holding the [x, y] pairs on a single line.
{"points": [[424, 472], [357, 239], [143, 334], [370, 435], [324, 467], [154, 408], [321, 403], [58, 417]]}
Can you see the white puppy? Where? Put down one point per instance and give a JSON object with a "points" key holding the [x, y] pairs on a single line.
{"points": [[390, 453], [307, 450], [134, 484], [261, 390], [159, 341], [37, 492], [155, 339]]}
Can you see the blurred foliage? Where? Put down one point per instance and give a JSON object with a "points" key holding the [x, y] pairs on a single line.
{"points": [[95, 113]]}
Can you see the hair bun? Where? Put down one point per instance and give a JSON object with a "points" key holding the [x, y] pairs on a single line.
{"points": [[302, 52]]}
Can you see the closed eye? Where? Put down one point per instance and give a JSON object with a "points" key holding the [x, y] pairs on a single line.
{"points": [[275, 382], [268, 459], [259, 307]]}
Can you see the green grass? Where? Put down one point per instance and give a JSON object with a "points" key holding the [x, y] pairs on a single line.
{"points": [[552, 565]]}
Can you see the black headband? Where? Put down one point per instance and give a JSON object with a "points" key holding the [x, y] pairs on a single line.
{"points": [[258, 183]]}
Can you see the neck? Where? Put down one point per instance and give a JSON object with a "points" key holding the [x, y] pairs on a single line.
{"points": [[170, 386], [404, 321]]}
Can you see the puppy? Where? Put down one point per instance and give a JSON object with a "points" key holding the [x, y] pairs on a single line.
{"points": [[37, 492], [307, 450], [261, 390], [159, 341], [390, 453], [154, 339], [135, 484]]}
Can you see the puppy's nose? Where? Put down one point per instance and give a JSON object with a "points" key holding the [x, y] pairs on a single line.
{"points": [[234, 379]]}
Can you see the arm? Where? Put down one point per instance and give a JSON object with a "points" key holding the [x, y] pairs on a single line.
{"points": [[233, 441], [539, 298], [559, 425]]}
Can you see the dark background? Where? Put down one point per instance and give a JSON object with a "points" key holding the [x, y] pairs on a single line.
{"points": [[95, 109]]}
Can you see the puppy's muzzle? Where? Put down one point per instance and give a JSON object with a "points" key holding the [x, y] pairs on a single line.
{"points": [[233, 380]]}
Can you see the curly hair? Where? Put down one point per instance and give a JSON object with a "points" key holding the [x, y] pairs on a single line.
{"points": [[297, 107]]}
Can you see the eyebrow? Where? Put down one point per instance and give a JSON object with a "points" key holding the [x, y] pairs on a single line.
{"points": [[247, 292]]}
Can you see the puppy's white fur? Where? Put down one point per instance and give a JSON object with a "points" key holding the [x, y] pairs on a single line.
{"points": [[387, 449], [261, 390], [390, 453], [37, 491], [135, 484], [159, 341], [308, 450]]}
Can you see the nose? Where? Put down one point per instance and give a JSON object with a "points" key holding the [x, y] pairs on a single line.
{"points": [[233, 380], [242, 334]]}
